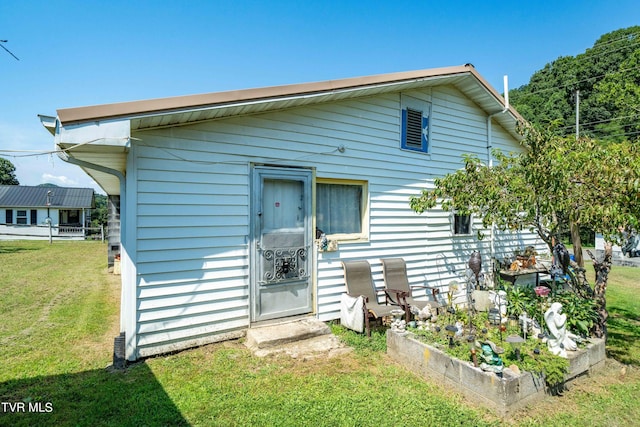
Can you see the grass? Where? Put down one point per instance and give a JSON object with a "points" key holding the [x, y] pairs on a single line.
{"points": [[59, 313]]}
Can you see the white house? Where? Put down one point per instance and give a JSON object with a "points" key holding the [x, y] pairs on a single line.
{"points": [[223, 196], [35, 213]]}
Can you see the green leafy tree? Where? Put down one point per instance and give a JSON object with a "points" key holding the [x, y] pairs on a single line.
{"points": [[7, 173], [607, 78], [554, 180], [99, 214]]}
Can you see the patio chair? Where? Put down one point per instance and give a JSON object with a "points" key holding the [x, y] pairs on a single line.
{"points": [[396, 282], [359, 282]]}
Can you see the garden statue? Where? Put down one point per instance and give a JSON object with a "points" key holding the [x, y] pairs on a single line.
{"points": [[526, 324], [561, 261], [475, 264], [560, 339], [490, 359], [398, 324], [427, 313], [459, 328], [534, 328], [499, 300]]}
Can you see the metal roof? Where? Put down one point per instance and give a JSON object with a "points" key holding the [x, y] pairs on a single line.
{"points": [[180, 110], [190, 109], [21, 196]]}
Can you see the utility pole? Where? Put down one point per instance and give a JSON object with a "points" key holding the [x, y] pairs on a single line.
{"points": [[577, 114]]}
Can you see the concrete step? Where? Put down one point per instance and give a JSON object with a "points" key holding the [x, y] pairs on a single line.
{"points": [[276, 335], [304, 339], [323, 346]]}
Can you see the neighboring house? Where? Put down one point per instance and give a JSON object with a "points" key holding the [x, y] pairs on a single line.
{"points": [[33, 212], [224, 197]]}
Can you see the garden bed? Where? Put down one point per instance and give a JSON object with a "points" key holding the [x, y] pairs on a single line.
{"points": [[505, 394]]}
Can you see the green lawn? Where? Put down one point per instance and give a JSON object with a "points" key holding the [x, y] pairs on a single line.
{"points": [[59, 314]]}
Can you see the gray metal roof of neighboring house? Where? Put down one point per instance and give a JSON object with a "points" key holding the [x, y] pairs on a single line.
{"points": [[21, 196]]}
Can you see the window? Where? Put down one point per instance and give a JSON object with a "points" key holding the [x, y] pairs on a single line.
{"points": [[415, 124], [461, 224], [21, 217], [341, 209]]}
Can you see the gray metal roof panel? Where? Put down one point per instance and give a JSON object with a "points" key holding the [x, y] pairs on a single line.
{"points": [[21, 196]]}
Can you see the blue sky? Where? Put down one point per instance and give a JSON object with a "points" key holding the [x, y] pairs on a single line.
{"points": [[77, 53]]}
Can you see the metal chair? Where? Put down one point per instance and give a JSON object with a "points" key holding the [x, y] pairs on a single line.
{"points": [[359, 282], [396, 282]]}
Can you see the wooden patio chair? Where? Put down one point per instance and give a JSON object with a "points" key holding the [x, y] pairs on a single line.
{"points": [[359, 282], [396, 283]]}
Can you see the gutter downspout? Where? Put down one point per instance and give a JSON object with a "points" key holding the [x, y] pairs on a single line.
{"points": [[490, 157]]}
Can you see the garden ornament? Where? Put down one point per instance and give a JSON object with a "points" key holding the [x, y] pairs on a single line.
{"points": [[324, 243], [561, 260], [475, 264], [499, 300], [398, 324], [534, 328], [526, 323], [490, 359], [560, 339], [424, 314], [460, 328]]}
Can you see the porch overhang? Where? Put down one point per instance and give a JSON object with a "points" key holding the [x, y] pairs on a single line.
{"points": [[101, 143]]}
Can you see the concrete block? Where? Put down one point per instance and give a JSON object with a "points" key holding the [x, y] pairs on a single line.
{"points": [[597, 350], [578, 363], [504, 394]]}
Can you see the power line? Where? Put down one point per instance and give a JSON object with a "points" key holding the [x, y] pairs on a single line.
{"points": [[10, 53], [605, 137], [583, 57], [625, 37], [601, 121], [582, 81]]}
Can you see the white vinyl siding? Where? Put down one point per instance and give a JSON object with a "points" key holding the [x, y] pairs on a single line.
{"points": [[192, 205]]}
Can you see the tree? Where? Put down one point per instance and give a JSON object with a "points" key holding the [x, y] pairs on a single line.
{"points": [[608, 80], [7, 173], [99, 215], [554, 181]]}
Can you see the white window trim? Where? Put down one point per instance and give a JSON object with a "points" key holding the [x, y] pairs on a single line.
{"points": [[363, 236], [24, 217]]}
